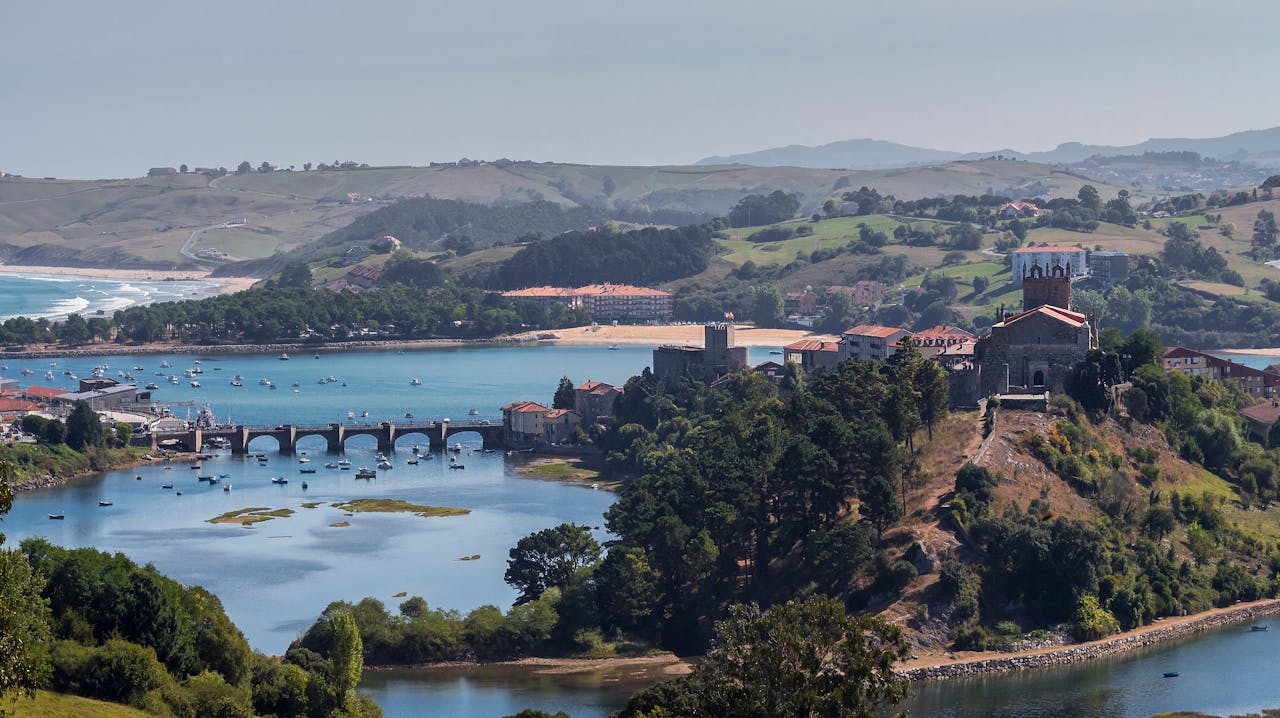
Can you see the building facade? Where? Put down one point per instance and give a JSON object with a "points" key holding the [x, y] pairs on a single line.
{"points": [[1072, 259], [1033, 351], [594, 401], [718, 357], [1109, 268], [868, 341]]}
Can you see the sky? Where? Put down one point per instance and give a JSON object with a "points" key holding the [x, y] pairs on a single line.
{"points": [[109, 89]]}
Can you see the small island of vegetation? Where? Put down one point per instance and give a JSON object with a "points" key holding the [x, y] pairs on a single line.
{"points": [[387, 506], [251, 515]]}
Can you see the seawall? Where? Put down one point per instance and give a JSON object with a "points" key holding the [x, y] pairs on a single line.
{"points": [[1080, 653]]}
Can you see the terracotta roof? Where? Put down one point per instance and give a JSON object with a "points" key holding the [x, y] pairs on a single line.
{"points": [[605, 389], [541, 292], [940, 332], [525, 407], [1046, 248], [43, 392], [1020, 206], [769, 366], [622, 290], [1265, 413], [592, 385], [872, 330], [1075, 319], [557, 413], [1177, 352], [813, 345], [18, 405]]}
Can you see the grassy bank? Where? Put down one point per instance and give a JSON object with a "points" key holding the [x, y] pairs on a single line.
{"points": [[572, 470], [398, 506], [61, 705], [34, 463]]}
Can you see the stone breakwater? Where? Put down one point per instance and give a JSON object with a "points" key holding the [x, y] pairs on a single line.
{"points": [[47, 482], [1091, 651]]}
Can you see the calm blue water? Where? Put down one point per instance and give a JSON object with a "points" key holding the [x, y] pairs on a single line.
{"points": [[40, 295], [1251, 360], [274, 579]]}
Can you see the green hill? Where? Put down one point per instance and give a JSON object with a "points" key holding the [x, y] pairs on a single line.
{"points": [[166, 222]]}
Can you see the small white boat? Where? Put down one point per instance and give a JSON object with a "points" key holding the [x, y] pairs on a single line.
{"points": [[284, 357], [331, 465], [48, 375], [384, 464], [304, 460], [226, 487], [364, 415], [57, 517], [415, 382], [473, 412], [264, 382], [104, 503], [344, 462], [27, 372], [279, 480], [364, 472], [351, 415], [174, 380], [236, 382], [152, 386], [165, 364], [195, 384]]}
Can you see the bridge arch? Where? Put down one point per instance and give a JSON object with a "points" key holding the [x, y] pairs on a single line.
{"points": [[263, 443], [424, 438]]}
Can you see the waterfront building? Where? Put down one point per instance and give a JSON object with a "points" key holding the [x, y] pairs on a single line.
{"points": [[869, 341], [1258, 382], [594, 401], [605, 302], [813, 354], [719, 356]]}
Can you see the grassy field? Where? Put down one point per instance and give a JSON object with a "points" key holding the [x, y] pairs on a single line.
{"points": [[61, 705], [144, 222], [827, 234]]}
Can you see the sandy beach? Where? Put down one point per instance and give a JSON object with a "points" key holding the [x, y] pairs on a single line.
{"points": [[691, 334], [225, 284], [1264, 352]]}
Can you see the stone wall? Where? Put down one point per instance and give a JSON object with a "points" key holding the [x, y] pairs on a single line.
{"points": [[1097, 649]]}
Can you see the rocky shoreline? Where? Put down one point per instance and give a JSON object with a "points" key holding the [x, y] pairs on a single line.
{"points": [[372, 345], [1080, 653]]}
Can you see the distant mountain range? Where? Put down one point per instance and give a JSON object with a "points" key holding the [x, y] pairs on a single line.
{"points": [[1260, 147]]}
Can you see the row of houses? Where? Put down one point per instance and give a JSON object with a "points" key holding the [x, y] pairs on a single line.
{"points": [[528, 423], [868, 341], [605, 302]]}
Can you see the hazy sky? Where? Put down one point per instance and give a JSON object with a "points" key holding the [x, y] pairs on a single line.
{"points": [[108, 89]]}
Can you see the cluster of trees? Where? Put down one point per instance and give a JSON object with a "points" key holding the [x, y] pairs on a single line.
{"points": [[418, 634], [642, 256], [281, 311], [94, 624], [757, 209]]}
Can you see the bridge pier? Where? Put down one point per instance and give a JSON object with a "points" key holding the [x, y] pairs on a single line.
{"points": [[335, 438], [239, 441], [387, 438]]}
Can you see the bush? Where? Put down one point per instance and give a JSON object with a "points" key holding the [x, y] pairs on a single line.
{"points": [[971, 638], [1092, 620], [771, 234]]}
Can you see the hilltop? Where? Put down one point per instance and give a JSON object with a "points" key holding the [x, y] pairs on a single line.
{"points": [[189, 221], [1260, 147]]}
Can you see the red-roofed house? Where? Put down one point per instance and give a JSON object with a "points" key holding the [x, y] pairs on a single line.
{"points": [[1258, 382], [365, 276], [42, 393], [594, 400], [813, 354], [869, 341], [1260, 418], [528, 422], [1017, 210]]}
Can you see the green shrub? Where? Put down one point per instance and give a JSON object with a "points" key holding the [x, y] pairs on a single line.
{"points": [[1092, 621]]}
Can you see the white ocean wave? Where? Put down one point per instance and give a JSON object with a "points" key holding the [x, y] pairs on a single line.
{"points": [[37, 277], [113, 304], [63, 307]]}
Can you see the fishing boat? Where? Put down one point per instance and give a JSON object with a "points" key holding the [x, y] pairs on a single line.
{"points": [[279, 480], [456, 466], [152, 386], [415, 382], [224, 476], [412, 462], [48, 375], [284, 357], [330, 464], [166, 486], [57, 517], [1259, 628], [613, 347], [1171, 674], [304, 485], [344, 463], [264, 382], [205, 477], [165, 364], [27, 372], [226, 487], [174, 379], [364, 415], [236, 382], [351, 415], [139, 368], [408, 415], [195, 384], [307, 470], [384, 464], [473, 412], [364, 472], [104, 503], [304, 460]]}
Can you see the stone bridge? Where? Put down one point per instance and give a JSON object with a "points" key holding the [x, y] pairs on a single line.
{"points": [[286, 435]]}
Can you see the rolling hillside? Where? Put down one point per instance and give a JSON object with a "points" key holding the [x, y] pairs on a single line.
{"points": [[166, 222]]}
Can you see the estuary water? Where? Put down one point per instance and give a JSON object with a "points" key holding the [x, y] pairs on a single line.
{"points": [[52, 296], [275, 578]]}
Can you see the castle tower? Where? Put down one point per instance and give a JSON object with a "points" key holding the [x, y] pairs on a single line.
{"points": [[1051, 287]]}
